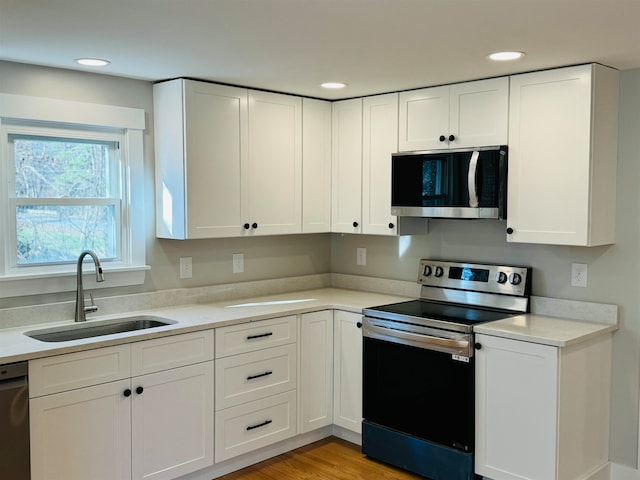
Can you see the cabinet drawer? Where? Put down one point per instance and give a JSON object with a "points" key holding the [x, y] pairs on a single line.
{"points": [[254, 375], [164, 353], [77, 370], [254, 425], [248, 337]]}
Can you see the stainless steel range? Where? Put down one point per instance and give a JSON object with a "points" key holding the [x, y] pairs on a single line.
{"points": [[418, 370]]}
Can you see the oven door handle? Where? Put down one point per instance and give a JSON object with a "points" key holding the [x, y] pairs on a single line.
{"points": [[420, 340]]}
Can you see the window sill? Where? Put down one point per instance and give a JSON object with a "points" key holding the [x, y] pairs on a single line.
{"points": [[36, 283]]}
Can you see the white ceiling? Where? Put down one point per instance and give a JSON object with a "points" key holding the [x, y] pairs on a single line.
{"points": [[292, 46]]}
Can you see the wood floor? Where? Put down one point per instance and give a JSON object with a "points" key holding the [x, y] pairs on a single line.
{"points": [[328, 459]]}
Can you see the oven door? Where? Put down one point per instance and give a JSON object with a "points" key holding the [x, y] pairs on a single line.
{"points": [[411, 387]]}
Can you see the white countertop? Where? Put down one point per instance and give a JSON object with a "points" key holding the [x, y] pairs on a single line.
{"points": [[15, 346], [546, 330]]}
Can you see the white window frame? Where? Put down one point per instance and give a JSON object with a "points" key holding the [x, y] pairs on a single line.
{"points": [[20, 113]]}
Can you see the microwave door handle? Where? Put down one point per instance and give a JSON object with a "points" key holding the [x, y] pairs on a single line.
{"points": [[471, 180]]}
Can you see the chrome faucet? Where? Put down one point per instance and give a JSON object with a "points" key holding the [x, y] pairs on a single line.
{"points": [[81, 310]]}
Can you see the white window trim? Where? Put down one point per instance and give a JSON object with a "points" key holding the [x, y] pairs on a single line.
{"points": [[131, 121]]}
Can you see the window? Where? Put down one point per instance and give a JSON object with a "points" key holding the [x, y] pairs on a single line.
{"points": [[66, 199], [67, 188]]}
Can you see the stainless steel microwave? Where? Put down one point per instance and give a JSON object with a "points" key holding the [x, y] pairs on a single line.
{"points": [[460, 183]]}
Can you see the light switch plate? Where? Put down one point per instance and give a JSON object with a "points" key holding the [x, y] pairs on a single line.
{"points": [[238, 262], [361, 256]]}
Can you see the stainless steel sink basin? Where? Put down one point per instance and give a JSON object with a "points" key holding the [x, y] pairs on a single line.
{"points": [[97, 329]]}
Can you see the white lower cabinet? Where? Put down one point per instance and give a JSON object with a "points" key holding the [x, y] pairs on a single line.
{"points": [[153, 426], [256, 382], [347, 373], [316, 370], [542, 412], [81, 434], [172, 422]]}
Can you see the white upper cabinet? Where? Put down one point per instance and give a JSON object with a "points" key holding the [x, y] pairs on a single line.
{"points": [[346, 167], [201, 156], [275, 164], [228, 161], [563, 156], [471, 114], [365, 134], [316, 166], [380, 140]]}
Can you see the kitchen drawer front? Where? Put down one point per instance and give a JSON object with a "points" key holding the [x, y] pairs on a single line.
{"points": [[248, 337], [176, 351], [76, 370], [254, 375], [254, 425]]}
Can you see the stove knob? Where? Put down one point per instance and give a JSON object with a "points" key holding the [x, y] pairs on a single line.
{"points": [[501, 277], [515, 279], [427, 271], [439, 272]]}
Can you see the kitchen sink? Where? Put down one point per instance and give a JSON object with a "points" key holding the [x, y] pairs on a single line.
{"points": [[97, 329]]}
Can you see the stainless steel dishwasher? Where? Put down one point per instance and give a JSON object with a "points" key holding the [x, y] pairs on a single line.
{"points": [[14, 422]]}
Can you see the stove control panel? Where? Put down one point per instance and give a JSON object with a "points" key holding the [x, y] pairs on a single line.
{"points": [[502, 279]]}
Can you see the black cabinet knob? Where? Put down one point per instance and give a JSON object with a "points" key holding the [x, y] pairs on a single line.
{"points": [[355, 224], [391, 225], [127, 392], [139, 390], [509, 231], [246, 226], [359, 324], [477, 346], [442, 138], [452, 138], [254, 225]]}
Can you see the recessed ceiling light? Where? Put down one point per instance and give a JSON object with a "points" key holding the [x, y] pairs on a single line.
{"points": [[504, 56], [92, 62], [333, 85]]}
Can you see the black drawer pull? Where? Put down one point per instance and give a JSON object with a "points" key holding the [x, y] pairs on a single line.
{"points": [[251, 337], [253, 427], [253, 377]]}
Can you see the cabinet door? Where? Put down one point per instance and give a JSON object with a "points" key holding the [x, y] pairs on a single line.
{"points": [[346, 166], [172, 422], [316, 370], [380, 140], [562, 156], [479, 113], [82, 434], [424, 118], [275, 164], [516, 409], [347, 393], [316, 166]]}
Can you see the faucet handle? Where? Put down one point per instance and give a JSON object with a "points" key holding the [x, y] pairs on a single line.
{"points": [[91, 308]]}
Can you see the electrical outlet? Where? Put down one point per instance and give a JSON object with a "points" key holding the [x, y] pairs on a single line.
{"points": [[186, 267], [361, 256], [238, 262], [578, 274]]}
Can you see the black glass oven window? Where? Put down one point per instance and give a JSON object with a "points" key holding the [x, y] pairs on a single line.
{"points": [[420, 392], [441, 180]]}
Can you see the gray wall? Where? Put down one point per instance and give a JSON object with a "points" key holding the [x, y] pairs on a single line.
{"points": [[612, 269]]}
